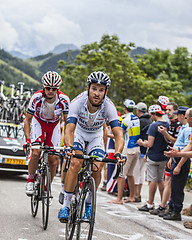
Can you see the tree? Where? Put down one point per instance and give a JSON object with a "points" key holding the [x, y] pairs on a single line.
{"points": [[145, 80], [110, 56], [171, 69]]}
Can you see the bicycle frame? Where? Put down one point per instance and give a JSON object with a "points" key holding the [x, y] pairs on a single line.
{"points": [[42, 184], [85, 186]]}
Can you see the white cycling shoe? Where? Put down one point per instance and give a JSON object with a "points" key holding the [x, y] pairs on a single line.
{"points": [[29, 189]]}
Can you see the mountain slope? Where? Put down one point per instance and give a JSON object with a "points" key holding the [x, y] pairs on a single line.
{"points": [[49, 62], [14, 70]]}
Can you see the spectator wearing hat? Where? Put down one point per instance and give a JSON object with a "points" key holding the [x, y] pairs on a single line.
{"points": [[170, 136], [156, 160], [181, 117], [180, 141], [131, 128], [162, 102], [139, 170], [179, 170]]}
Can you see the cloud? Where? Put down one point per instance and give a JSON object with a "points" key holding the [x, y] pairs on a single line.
{"points": [[50, 31], [8, 34], [35, 25]]}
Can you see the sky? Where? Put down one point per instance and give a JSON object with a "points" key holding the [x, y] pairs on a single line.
{"points": [[37, 26]]}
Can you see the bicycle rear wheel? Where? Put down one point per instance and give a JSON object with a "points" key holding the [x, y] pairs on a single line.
{"points": [[85, 226], [45, 193], [35, 199]]}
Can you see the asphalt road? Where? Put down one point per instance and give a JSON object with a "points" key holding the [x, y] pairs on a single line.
{"points": [[113, 222]]}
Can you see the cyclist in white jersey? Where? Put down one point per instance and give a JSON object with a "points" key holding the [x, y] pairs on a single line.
{"points": [[88, 113], [43, 116]]}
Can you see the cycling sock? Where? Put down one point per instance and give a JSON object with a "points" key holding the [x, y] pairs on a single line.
{"points": [[62, 187], [88, 200], [67, 199], [31, 177]]}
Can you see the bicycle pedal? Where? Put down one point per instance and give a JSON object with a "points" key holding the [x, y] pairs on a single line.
{"points": [[63, 220]]}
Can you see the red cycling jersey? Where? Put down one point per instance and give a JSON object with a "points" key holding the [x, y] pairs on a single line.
{"points": [[37, 105]]}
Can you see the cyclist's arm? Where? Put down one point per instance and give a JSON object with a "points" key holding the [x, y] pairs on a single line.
{"points": [[119, 140], [27, 125], [63, 129], [105, 135], [69, 134]]}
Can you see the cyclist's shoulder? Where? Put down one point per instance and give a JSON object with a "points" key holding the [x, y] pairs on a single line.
{"points": [[62, 96], [38, 95], [82, 97], [107, 102]]}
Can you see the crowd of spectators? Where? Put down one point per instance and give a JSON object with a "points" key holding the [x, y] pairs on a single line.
{"points": [[153, 139]]}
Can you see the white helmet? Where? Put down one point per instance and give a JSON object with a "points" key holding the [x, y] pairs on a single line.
{"points": [[51, 79], [100, 78]]}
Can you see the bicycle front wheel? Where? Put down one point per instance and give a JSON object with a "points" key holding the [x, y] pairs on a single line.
{"points": [[70, 225], [45, 194], [85, 224], [35, 199]]}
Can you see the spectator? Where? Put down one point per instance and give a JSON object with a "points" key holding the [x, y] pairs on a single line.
{"points": [[162, 102], [156, 160], [131, 129], [111, 167], [139, 170], [179, 172], [170, 136]]}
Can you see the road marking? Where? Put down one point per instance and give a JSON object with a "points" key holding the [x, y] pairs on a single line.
{"points": [[133, 237]]}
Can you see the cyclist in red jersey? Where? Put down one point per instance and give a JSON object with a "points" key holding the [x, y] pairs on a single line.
{"points": [[43, 117]]}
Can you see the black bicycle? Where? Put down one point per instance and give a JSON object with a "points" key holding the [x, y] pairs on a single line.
{"points": [[85, 186], [42, 191]]}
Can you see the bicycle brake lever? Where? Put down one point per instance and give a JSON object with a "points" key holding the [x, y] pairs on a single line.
{"points": [[121, 170], [67, 164], [117, 173]]}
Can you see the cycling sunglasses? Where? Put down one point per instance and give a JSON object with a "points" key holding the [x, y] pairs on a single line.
{"points": [[50, 88], [99, 82]]}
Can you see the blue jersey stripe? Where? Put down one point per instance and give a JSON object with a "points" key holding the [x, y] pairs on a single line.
{"points": [[72, 120], [114, 123]]}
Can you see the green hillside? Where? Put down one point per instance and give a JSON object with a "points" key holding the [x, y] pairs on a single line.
{"points": [[14, 70], [49, 62], [30, 71]]}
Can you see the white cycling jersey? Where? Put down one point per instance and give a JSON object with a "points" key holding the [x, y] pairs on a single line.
{"points": [[92, 122], [89, 127]]}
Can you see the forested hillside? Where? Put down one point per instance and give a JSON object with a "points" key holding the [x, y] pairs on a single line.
{"points": [[14, 70], [50, 61], [30, 71]]}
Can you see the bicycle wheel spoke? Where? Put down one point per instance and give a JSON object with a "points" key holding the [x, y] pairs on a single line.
{"points": [[85, 223]]}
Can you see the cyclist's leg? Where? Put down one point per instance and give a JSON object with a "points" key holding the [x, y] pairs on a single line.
{"points": [[53, 139], [71, 178], [53, 165], [96, 148], [72, 173], [36, 136]]}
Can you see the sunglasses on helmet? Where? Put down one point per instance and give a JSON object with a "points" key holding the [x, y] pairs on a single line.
{"points": [[99, 82]]}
